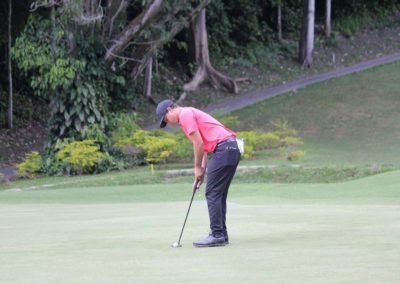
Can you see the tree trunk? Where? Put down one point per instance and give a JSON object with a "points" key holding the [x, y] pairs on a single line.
{"points": [[10, 81], [306, 45], [279, 21], [328, 28], [147, 81], [205, 71]]}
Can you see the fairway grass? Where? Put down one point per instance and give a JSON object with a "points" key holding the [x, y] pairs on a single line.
{"points": [[280, 233]]}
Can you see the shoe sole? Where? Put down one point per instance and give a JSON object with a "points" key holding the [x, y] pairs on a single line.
{"points": [[208, 246]]}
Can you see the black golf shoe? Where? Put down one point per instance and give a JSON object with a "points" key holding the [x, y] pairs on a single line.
{"points": [[226, 237], [210, 241]]}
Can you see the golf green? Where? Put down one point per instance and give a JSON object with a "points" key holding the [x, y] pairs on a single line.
{"points": [[280, 233]]}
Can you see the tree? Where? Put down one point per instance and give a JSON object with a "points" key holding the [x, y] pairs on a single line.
{"points": [[306, 44], [205, 71], [279, 19], [10, 79], [75, 72], [147, 81], [328, 28]]}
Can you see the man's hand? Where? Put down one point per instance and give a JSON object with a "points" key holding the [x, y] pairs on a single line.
{"points": [[199, 173], [195, 186]]}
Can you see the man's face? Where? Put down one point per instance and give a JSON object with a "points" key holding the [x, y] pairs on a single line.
{"points": [[172, 116]]}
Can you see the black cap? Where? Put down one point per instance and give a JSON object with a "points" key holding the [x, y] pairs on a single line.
{"points": [[161, 111]]}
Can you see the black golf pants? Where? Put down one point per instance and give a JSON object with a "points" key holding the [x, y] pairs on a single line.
{"points": [[221, 168]]}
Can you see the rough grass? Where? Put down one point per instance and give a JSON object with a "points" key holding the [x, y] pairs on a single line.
{"points": [[351, 120], [349, 125]]}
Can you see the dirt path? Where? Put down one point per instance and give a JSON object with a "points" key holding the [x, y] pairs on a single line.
{"points": [[253, 97]]}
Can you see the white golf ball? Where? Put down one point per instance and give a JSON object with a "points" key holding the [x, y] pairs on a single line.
{"points": [[175, 245]]}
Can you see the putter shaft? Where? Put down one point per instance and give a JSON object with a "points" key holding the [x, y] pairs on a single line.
{"points": [[187, 214]]}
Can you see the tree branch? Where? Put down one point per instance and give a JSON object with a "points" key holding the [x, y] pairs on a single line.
{"points": [[133, 28], [148, 50]]}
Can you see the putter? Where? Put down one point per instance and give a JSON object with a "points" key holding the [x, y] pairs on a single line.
{"points": [[178, 243]]}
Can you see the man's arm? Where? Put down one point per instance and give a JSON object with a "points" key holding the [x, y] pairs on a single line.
{"points": [[204, 162], [199, 154]]}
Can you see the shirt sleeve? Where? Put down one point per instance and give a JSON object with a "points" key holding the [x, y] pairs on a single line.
{"points": [[188, 121]]}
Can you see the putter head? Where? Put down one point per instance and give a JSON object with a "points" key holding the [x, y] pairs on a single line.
{"points": [[176, 245]]}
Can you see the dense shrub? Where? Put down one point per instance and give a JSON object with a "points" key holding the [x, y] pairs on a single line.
{"points": [[228, 120], [184, 149], [80, 157], [283, 138], [31, 166], [157, 145], [295, 155], [122, 125]]}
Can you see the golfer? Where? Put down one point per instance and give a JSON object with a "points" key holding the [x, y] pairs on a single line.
{"points": [[208, 136]]}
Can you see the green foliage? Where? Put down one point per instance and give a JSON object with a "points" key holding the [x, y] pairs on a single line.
{"points": [[229, 121], [283, 129], [295, 155], [77, 96], [76, 110], [31, 166], [157, 145], [184, 150], [32, 52], [270, 139], [220, 41], [352, 24], [69, 69], [96, 133], [234, 25], [291, 141], [122, 125], [79, 157], [283, 138]]}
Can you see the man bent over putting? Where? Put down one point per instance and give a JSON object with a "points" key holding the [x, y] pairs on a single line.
{"points": [[208, 136]]}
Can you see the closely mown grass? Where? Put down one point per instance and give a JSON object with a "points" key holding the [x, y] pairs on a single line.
{"points": [[289, 233]]}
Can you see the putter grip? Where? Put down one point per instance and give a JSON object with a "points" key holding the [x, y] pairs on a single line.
{"points": [[195, 185]]}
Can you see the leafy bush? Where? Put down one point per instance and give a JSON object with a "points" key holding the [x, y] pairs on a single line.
{"points": [[76, 80], [250, 141], [255, 141], [157, 145], [184, 149], [80, 157], [96, 132], [269, 140], [123, 125], [31, 166], [295, 155], [283, 129], [228, 121], [284, 138], [291, 141]]}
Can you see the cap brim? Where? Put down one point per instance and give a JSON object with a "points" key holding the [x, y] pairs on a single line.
{"points": [[162, 123]]}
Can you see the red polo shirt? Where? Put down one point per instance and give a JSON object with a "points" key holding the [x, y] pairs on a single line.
{"points": [[211, 130]]}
